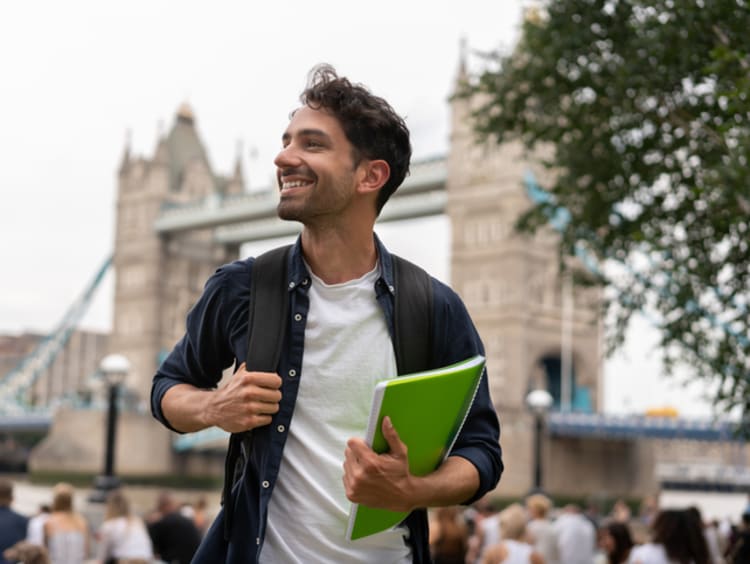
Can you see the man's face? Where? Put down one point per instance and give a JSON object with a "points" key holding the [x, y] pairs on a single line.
{"points": [[315, 168]]}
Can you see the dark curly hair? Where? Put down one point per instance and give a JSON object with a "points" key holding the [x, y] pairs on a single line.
{"points": [[620, 533], [681, 535], [369, 122]]}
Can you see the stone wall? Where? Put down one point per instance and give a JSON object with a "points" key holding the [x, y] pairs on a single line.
{"points": [[76, 441]]}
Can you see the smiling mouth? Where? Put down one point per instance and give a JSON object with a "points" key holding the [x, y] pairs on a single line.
{"points": [[294, 184], [287, 186]]}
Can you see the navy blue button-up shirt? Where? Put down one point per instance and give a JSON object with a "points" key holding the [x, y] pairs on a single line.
{"points": [[217, 337]]}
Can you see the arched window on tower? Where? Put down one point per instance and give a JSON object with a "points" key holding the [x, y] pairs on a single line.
{"points": [[552, 366], [580, 396]]}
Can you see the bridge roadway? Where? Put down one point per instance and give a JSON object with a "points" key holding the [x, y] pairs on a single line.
{"points": [[25, 422], [560, 424], [252, 216]]}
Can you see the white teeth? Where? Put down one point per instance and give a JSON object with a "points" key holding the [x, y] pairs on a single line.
{"points": [[294, 184]]}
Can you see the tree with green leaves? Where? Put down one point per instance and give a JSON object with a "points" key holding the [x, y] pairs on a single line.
{"points": [[643, 108]]}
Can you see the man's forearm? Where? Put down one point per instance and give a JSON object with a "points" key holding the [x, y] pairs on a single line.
{"points": [[454, 482], [248, 400], [187, 407], [384, 480]]}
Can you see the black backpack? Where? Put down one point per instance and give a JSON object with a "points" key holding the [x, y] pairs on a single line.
{"points": [[268, 321]]}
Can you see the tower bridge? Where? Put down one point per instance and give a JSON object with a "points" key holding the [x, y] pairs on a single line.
{"points": [[178, 220]]}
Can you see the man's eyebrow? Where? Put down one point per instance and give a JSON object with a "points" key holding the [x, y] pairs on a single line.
{"points": [[309, 132]]}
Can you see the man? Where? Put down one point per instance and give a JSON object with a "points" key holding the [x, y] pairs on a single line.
{"points": [[576, 536], [343, 154], [540, 527], [175, 537], [12, 525]]}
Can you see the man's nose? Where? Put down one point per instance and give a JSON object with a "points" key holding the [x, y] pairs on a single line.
{"points": [[287, 157]]}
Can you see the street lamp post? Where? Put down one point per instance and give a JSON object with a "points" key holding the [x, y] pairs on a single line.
{"points": [[114, 369], [539, 401]]}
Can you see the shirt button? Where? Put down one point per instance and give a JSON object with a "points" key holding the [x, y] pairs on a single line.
{"points": [[291, 285], [292, 373], [391, 288], [257, 540], [280, 428], [265, 484], [297, 317], [306, 281]]}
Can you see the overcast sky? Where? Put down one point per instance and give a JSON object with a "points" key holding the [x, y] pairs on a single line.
{"points": [[79, 77]]}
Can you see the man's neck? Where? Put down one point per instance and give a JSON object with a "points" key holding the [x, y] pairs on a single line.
{"points": [[337, 256]]}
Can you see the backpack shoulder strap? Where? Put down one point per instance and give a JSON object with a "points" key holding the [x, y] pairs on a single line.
{"points": [[269, 307], [266, 329], [412, 317]]}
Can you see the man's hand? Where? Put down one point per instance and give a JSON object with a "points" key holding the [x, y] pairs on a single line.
{"points": [[379, 480], [383, 480], [247, 401]]}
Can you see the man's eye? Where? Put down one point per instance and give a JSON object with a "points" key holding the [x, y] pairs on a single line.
{"points": [[311, 143]]}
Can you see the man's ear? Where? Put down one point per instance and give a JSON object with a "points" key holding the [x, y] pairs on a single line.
{"points": [[374, 175]]}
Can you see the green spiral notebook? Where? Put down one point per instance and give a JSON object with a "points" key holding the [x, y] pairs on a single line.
{"points": [[428, 410]]}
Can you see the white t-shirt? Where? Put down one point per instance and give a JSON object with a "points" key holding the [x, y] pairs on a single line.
{"points": [[518, 552], [347, 352], [576, 539], [649, 553], [35, 529], [124, 537], [491, 534], [543, 536]]}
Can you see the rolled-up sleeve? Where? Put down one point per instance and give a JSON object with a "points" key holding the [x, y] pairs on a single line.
{"points": [[215, 335]]}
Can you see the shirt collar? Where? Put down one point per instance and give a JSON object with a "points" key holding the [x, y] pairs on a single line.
{"points": [[298, 274]]}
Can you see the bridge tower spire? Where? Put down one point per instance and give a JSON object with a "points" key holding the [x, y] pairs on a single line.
{"points": [[462, 73], [125, 160], [236, 183]]}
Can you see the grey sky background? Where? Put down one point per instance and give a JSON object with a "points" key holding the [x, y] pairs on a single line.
{"points": [[81, 77]]}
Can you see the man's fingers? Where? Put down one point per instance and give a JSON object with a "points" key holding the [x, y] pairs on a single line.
{"points": [[249, 400], [265, 407], [269, 380], [261, 395], [378, 480], [397, 447], [356, 449], [241, 390]]}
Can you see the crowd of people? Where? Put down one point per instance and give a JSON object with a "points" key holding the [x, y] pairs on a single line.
{"points": [[537, 532], [534, 531], [60, 534]]}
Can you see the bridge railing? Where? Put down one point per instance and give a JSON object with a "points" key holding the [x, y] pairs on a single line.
{"points": [[640, 426]]}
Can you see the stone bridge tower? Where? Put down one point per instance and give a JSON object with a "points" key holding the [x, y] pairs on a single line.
{"points": [[510, 285], [158, 278]]}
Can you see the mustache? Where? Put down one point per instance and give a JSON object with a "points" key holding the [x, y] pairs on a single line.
{"points": [[297, 171]]}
